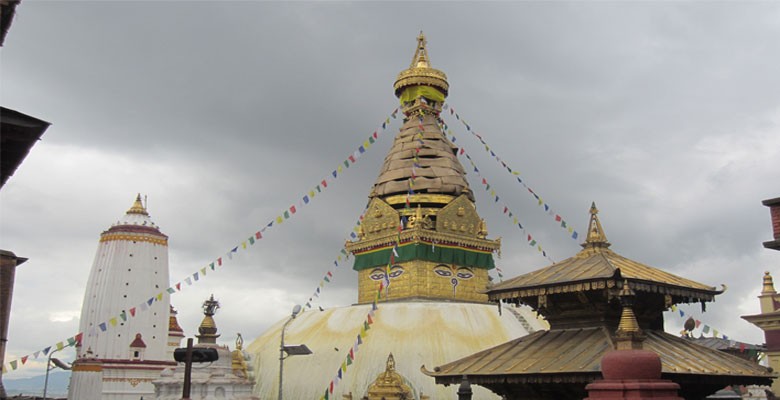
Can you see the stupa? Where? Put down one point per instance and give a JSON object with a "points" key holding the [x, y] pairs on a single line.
{"points": [[119, 357], [422, 217], [229, 377], [580, 298]]}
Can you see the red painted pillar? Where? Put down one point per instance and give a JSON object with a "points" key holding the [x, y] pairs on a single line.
{"points": [[632, 374], [774, 212]]}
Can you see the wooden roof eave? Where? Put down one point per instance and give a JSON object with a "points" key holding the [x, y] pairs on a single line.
{"points": [[600, 284]]}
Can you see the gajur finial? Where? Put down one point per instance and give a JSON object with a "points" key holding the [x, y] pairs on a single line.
{"points": [[769, 286], [628, 335], [138, 207], [420, 59], [596, 236]]}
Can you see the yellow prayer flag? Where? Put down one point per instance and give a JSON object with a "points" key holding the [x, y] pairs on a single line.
{"points": [[203, 271], [339, 169], [366, 145], [60, 346], [571, 229], [344, 366], [279, 219], [515, 220], [515, 173], [159, 296], [243, 244], [112, 321], [311, 193]]}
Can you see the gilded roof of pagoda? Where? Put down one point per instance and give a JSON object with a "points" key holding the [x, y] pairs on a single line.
{"points": [[593, 267], [577, 354]]}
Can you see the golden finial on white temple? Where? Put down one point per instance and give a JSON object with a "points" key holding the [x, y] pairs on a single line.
{"points": [[138, 207]]}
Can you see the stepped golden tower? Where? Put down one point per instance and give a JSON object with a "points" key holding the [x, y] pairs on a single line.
{"points": [[421, 214]]}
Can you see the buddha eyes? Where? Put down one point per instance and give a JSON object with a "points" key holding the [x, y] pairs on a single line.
{"points": [[465, 275], [396, 272], [378, 274], [443, 272]]}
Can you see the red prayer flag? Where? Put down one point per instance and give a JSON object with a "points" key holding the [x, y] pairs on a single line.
{"points": [[324, 183], [375, 135], [292, 209], [258, 235], [132, 311], [557, 218], [78, 338]]}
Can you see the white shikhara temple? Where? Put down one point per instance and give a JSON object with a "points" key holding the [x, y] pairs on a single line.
{"points": [[129, 332]]}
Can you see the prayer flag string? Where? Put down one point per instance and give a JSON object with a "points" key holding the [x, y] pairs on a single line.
{"points": [[365, 327], [196, 276], [506, 211], [539, 200]]}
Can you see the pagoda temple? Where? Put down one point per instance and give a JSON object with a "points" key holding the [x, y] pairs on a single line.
{"points": [[118, 358], [580, 298], [424, 244]]}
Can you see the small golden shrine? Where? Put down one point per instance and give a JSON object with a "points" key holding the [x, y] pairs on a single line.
{"points": [[389, 385], [421, 213]]}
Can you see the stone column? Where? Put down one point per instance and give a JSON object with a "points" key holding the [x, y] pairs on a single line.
{"points": [[8, 263]]}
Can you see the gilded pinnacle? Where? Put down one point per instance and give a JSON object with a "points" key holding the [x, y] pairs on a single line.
{"points": [[138, 207], [769, 287], [420, 72], [596, 236]]}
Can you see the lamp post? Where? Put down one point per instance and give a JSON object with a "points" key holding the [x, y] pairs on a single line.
{"points": [[290, 350], [49, 367]]}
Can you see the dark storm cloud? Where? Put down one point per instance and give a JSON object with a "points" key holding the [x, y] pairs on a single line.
{"points": [[226, 113]]}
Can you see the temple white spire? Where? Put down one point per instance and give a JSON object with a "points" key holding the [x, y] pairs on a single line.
{"points": [[125, 332]]}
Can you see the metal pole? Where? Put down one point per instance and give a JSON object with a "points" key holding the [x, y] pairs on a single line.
{"points": [[281, 357], [187, 371], [48, 368]]}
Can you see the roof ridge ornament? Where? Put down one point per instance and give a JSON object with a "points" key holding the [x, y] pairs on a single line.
{"points": [[596, 236]]}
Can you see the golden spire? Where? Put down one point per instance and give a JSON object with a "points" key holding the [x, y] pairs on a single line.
{"points": [[769, 286], [596, 236], [420, 59], [138, 207], [420, 73], [628, 335]]}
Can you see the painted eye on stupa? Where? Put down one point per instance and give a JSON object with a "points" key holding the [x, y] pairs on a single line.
{"points": [[396, 271], [378, 274], [464, 273], [443, 270]]}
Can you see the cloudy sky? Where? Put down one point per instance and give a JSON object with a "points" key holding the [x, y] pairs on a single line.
{"points": [[667, 115]]}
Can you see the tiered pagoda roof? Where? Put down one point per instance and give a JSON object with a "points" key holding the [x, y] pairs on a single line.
{"points": [[580, 299]]}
